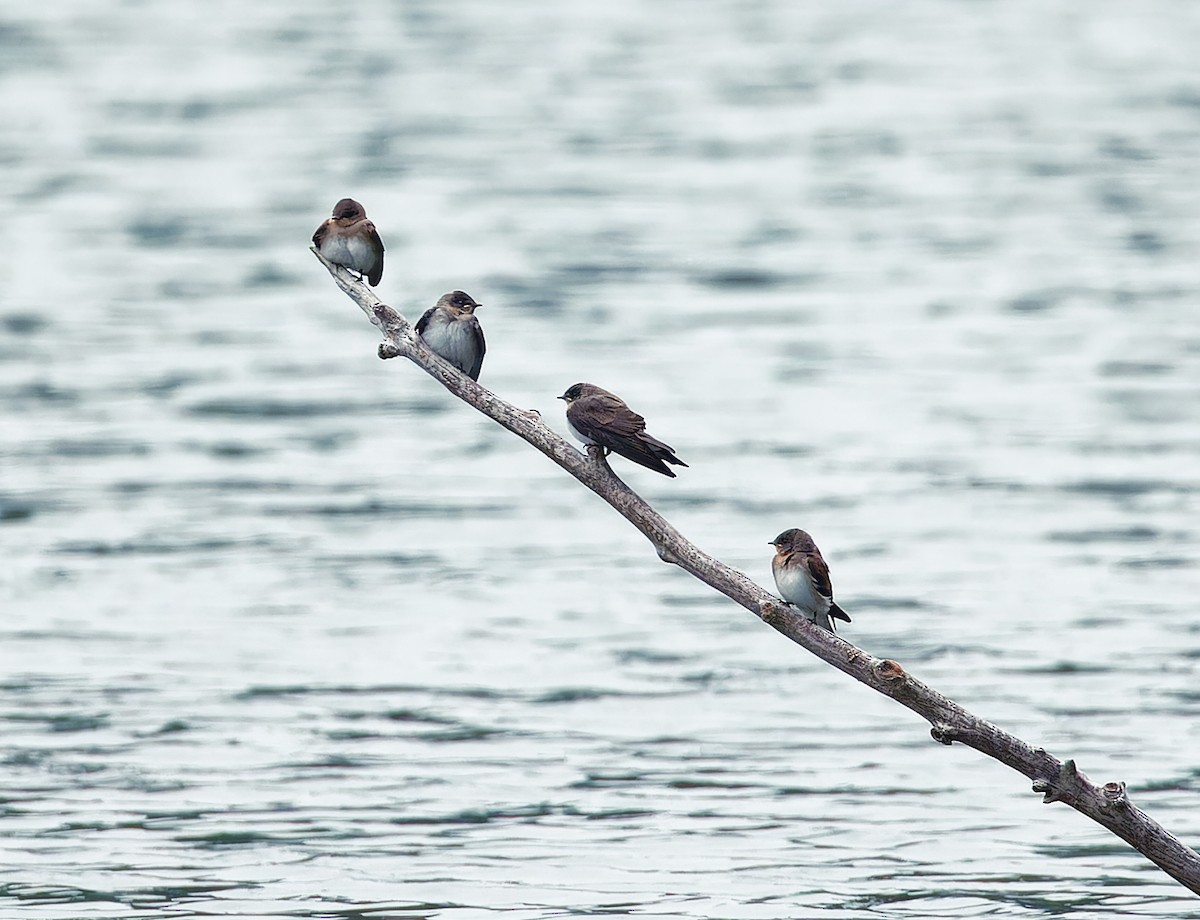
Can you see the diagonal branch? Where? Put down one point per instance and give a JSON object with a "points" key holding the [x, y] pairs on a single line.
{"points": [[1059, 781]]}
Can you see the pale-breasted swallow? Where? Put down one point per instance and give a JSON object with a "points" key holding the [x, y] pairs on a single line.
{"points": [[350, 240], [596, 416], [451, 329], [803, 578]]}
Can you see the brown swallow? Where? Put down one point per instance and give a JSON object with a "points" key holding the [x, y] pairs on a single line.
{"points": [[596, 416], [803, 578], [350, 240], [452, 330]]}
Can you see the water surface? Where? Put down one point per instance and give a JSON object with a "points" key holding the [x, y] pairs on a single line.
{"points": [[288, 632]]}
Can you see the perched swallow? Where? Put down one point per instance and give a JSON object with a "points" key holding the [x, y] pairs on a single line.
{"points": [[350, 240], [596, 416], [803, 578], [451, 329]]}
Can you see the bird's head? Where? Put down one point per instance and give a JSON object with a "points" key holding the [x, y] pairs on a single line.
{"points": [[458, 302], [348, 209], [793, 539], [574, 392]]}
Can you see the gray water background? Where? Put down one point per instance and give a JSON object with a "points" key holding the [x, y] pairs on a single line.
{"points": [[286, 631]]}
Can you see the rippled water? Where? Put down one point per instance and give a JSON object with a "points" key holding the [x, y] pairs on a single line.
{"points": [[288, 632]]}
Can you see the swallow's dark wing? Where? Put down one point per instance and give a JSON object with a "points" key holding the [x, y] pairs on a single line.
{"points": [[615, 416], [822, 585], [480, 349], [423, 322], [820, 574], [606, 420], [661, 449], [319, 234], [375, 275], [599, 418]]}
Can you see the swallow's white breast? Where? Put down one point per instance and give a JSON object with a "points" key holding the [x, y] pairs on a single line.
{"points": [[796, 587], [352, 252], [451, 338]]}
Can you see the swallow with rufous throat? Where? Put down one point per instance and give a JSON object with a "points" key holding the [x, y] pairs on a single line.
{"points": [[803, 578], [350, 240]]}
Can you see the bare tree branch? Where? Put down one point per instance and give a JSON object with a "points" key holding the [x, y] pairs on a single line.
{"points": [[1059, 781]]}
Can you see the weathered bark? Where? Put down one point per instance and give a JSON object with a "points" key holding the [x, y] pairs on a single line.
{"points": [[1059, 781]]}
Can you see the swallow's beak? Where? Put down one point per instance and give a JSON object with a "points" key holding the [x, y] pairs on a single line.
{"points": [[563, 398]]}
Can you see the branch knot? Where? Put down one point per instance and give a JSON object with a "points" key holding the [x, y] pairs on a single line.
{"points": [[888, 670], [1062, 788], [1113, 796], [944, 732]]}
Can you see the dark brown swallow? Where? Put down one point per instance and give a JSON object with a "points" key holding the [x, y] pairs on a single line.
{"points": [[596, 416], [803, 578], [452, 330], [350, 240]]}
